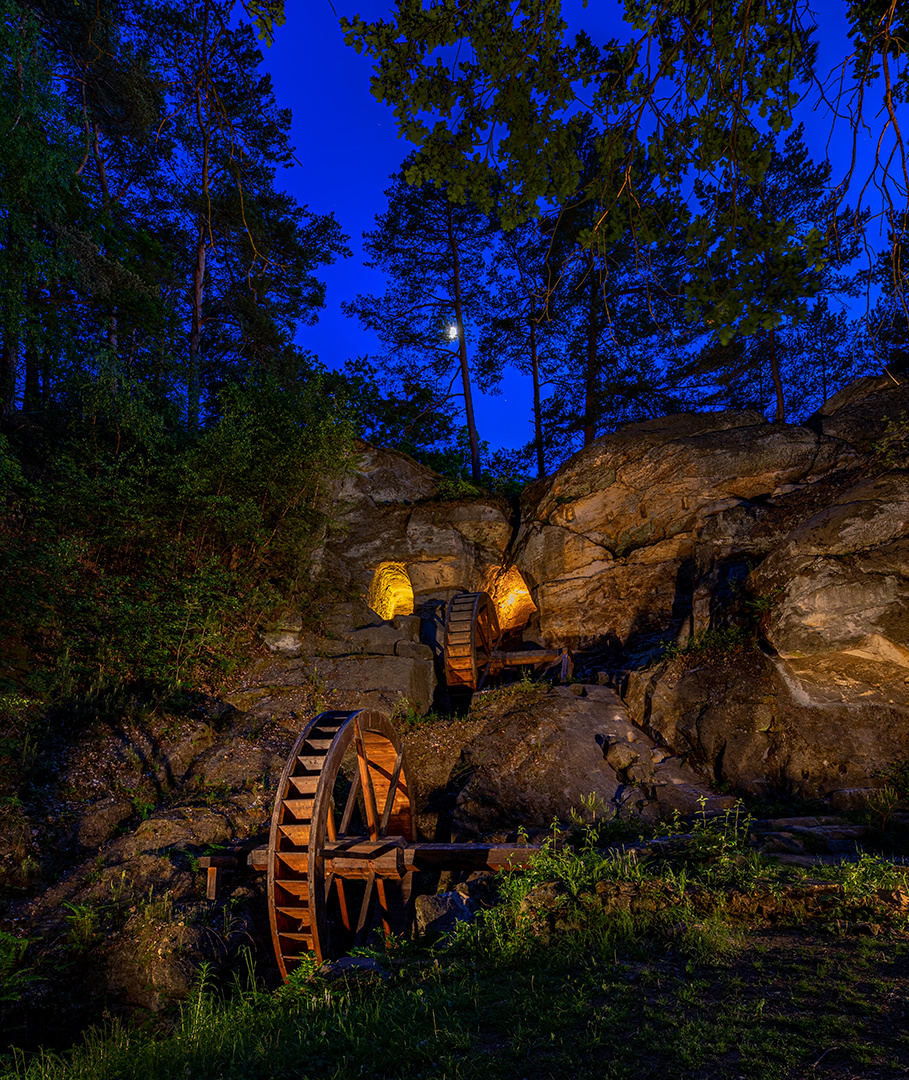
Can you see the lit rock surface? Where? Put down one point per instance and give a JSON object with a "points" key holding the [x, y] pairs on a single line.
{"points": [[388, 512], [534, 765], [608, 543]]}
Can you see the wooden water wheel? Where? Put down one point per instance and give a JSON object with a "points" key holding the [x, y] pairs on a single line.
{"points": [[471, 645], [471, 637], [345, 782], [341, 857]]}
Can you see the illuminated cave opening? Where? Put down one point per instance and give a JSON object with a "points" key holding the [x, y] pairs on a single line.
{"points": [[391, 593], [511, 597]]}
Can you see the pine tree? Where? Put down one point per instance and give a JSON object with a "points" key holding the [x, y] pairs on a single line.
{"points": [[433, 251], [772, 257]]}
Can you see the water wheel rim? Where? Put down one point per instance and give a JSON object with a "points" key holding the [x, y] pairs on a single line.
{"points": [[306, 905]]}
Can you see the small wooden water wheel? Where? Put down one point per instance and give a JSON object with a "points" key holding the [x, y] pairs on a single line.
{"points": [[471, 636], [471, 645], [341, 857]]}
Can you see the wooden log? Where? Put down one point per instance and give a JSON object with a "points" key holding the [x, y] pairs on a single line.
{"points": [[467, 856], [367, 858], [518, 657]]}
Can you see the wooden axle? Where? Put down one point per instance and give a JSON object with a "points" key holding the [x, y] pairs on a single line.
{"points": [[390, 857]]}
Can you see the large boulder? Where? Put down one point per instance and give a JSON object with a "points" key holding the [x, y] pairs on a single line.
{"points": [[548, 758], [826, 727], [840, 580], [609, 543]]}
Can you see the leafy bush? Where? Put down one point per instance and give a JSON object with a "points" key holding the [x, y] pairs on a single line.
{"points": [[141, 555]]}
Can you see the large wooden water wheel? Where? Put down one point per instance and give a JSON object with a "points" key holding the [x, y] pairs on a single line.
{"points": [[341, 858], [344, 783], [471, 645]]}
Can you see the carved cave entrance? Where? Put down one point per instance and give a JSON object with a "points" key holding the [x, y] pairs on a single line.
{"points": [[509, 593], [391, 592]]}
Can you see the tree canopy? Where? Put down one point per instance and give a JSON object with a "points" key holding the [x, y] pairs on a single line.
{"points": [[491, 92]]}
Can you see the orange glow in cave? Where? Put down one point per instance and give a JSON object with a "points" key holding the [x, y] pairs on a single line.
{"points": [[391, 593], [511, 598]]}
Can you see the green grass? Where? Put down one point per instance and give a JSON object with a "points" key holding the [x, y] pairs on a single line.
{"points": [[662, 989], [647, 1012]]}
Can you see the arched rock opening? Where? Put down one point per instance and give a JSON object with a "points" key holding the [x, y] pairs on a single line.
{"points": [[511, 597], [391, 592]]}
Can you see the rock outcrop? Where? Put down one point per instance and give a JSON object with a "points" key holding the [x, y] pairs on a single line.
{"points": [[609, 544], [796, 537], [357, 660], [388, 511]]}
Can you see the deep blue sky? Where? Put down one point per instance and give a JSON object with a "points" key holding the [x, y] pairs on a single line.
{"points": [[348, 147]]}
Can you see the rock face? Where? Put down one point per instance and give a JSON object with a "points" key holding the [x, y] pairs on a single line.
{"points": [[388, 511], [533, 764], [609, 543], [360, 661], [798, 534]]}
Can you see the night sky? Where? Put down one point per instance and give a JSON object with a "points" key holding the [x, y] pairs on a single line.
{"points": [[347, 145]]}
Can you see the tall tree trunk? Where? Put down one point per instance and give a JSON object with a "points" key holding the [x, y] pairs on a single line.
{"points": [[194, 389], [589, 423], [462, 349], [535, 371], [31, 395], [9, 365], [777, 381]]}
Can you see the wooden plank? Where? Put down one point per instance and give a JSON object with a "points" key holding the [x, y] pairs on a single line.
{"points": [[213, 883], [305, 785], [300, 913], [257, 859], [298, 888], [299, 808], [297, 861], [295, 833]]}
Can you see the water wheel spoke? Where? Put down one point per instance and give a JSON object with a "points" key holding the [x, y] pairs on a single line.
{"points": [[369, 791], [392, 792], [363, 924], [338, 884], [349, 805]]}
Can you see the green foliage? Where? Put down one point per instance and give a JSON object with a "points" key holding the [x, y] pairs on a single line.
{"points": [[15, 973], [84, 921], [146, 557], [716, 646], [891, 451], [457, 488]]}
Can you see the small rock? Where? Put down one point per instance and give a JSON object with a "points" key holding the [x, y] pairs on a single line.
{"points": [[283, 643], [352, 967], [440, 914], [621, 756]]}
